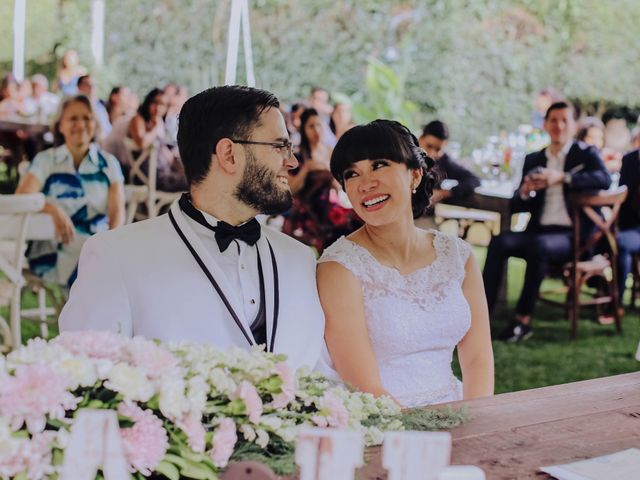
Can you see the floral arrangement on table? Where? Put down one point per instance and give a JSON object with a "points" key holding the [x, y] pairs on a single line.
{"points": [[184, 410]]}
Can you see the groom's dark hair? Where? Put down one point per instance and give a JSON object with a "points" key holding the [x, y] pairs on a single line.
{"points": [[230, 111]]}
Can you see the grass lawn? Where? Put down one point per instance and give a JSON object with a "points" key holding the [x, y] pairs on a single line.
{"points": [[548, 357]]}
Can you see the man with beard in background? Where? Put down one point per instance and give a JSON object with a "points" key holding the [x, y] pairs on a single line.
{"points": [[208, 271]]}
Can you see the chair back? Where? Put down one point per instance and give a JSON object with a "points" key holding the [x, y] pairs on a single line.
{"points": [[15, 211], [589, 204]]}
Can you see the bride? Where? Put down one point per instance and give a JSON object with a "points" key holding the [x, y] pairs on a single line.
{"points": [[397, 299]]}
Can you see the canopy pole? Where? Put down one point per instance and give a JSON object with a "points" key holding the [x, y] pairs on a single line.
{"points": [[97, 31], [239, 19], [19, 17]]}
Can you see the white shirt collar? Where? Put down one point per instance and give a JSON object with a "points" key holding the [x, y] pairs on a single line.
{"points": [[63, 154], [562, 153]]}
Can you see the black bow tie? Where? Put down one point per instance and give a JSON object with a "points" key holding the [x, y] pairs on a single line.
{"points": [[248, 232]]}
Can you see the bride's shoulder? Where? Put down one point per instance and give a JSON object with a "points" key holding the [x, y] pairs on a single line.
{"points": [[341, 249], [450, 245]]}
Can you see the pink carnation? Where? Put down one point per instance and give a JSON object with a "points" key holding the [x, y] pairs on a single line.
{"points": [[150, 357], [224, 439], [94, 344], [32, 456], [251, 399], [193, 428], [146, 442], [332, 413], [33, 393], [288, 393]]}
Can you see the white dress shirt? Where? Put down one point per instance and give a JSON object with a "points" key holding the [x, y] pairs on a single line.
{"points": [[555, 209], [239, 262]]}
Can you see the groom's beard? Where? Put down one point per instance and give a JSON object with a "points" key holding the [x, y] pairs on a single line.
{"points": [[259, 188]]}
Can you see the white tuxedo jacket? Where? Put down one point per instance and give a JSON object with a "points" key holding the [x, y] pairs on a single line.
{"points": [[141, 279]]}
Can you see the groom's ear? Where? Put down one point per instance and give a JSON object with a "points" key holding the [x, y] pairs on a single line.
{"points": [[224, 156]]}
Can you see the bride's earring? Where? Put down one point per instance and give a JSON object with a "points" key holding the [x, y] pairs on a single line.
{"points": [[414, 190]]}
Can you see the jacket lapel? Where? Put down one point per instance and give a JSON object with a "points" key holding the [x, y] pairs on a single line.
{"points": [[271, 289], [216, 272]]}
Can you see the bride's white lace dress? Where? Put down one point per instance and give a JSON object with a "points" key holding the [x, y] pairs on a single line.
{"points": [[414, 321]]}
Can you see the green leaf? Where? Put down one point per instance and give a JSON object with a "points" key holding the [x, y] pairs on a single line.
{"points": [[168, 469], [198, 471], [176, 460]]}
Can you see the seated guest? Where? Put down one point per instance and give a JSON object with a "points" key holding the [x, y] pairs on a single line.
{"points": [[45, 101], [176, 97], [628, 237], [341, 119], [591, 132], [146, 128], [118, 103], [434, 139], [84, 192], [317, 217], [69, 71], [10, 104], [547, 177], [87, 87]]}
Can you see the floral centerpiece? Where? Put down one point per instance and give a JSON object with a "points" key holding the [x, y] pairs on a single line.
{"points": [[185, 410]]}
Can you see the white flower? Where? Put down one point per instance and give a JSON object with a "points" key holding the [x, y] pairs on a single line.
{"points": [[197, 390], [222, 381], [373, 436], [262, 439], [37, 351], [173, 402], [131, 382], [81, 371], [272, 421], [103, 368], [248, 432]]}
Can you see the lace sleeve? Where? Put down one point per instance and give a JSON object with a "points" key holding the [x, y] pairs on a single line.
{"points": [[464, 251], [342, 251]]}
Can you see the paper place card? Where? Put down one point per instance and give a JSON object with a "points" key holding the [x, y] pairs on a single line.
{"points": [[95, 443], [412, 455], [328, 454], [624, 464]]}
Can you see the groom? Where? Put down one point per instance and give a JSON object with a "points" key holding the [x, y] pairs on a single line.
{"points": [[207, 271]]}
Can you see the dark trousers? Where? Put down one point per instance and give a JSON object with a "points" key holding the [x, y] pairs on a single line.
{"points": [[548, 245], [628, 245]]}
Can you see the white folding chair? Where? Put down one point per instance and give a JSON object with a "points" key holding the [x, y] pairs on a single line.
{"points": [[15, 211], [155, 199]]}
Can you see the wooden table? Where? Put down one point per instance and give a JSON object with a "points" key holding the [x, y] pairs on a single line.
{"points": [[512, 435]]}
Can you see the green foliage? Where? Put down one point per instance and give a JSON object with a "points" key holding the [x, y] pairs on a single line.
{"points": [[473, 63], [432, 419]]}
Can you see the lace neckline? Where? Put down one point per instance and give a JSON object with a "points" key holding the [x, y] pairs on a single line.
{"points": [[436, 240]]}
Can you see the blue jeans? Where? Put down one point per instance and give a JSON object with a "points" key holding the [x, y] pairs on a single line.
{"points": [[628, 245]]}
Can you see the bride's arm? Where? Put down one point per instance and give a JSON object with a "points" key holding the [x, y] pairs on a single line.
{"points": [[345, 329], [474, 350]]}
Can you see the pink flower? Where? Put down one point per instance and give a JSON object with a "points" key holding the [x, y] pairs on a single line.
{"points": [[150, 357], [32, 456], [146, 442], [94, 344], [288, 393], [251, 399], [224, 439], [192, 426], [332, 412], [33, 393]]}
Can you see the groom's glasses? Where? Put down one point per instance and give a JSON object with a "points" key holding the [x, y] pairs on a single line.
{"points": [[284, 148]]}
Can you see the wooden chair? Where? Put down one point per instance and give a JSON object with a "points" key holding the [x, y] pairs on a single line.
{"points": [[143, 173], [635, 288], [579, 270], [15, 211]]}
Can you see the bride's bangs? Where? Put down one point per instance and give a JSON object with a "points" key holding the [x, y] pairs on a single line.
{"points": [[373, 141]]}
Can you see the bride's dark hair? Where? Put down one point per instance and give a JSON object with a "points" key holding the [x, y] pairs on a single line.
{"points": [[390, 140]]}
